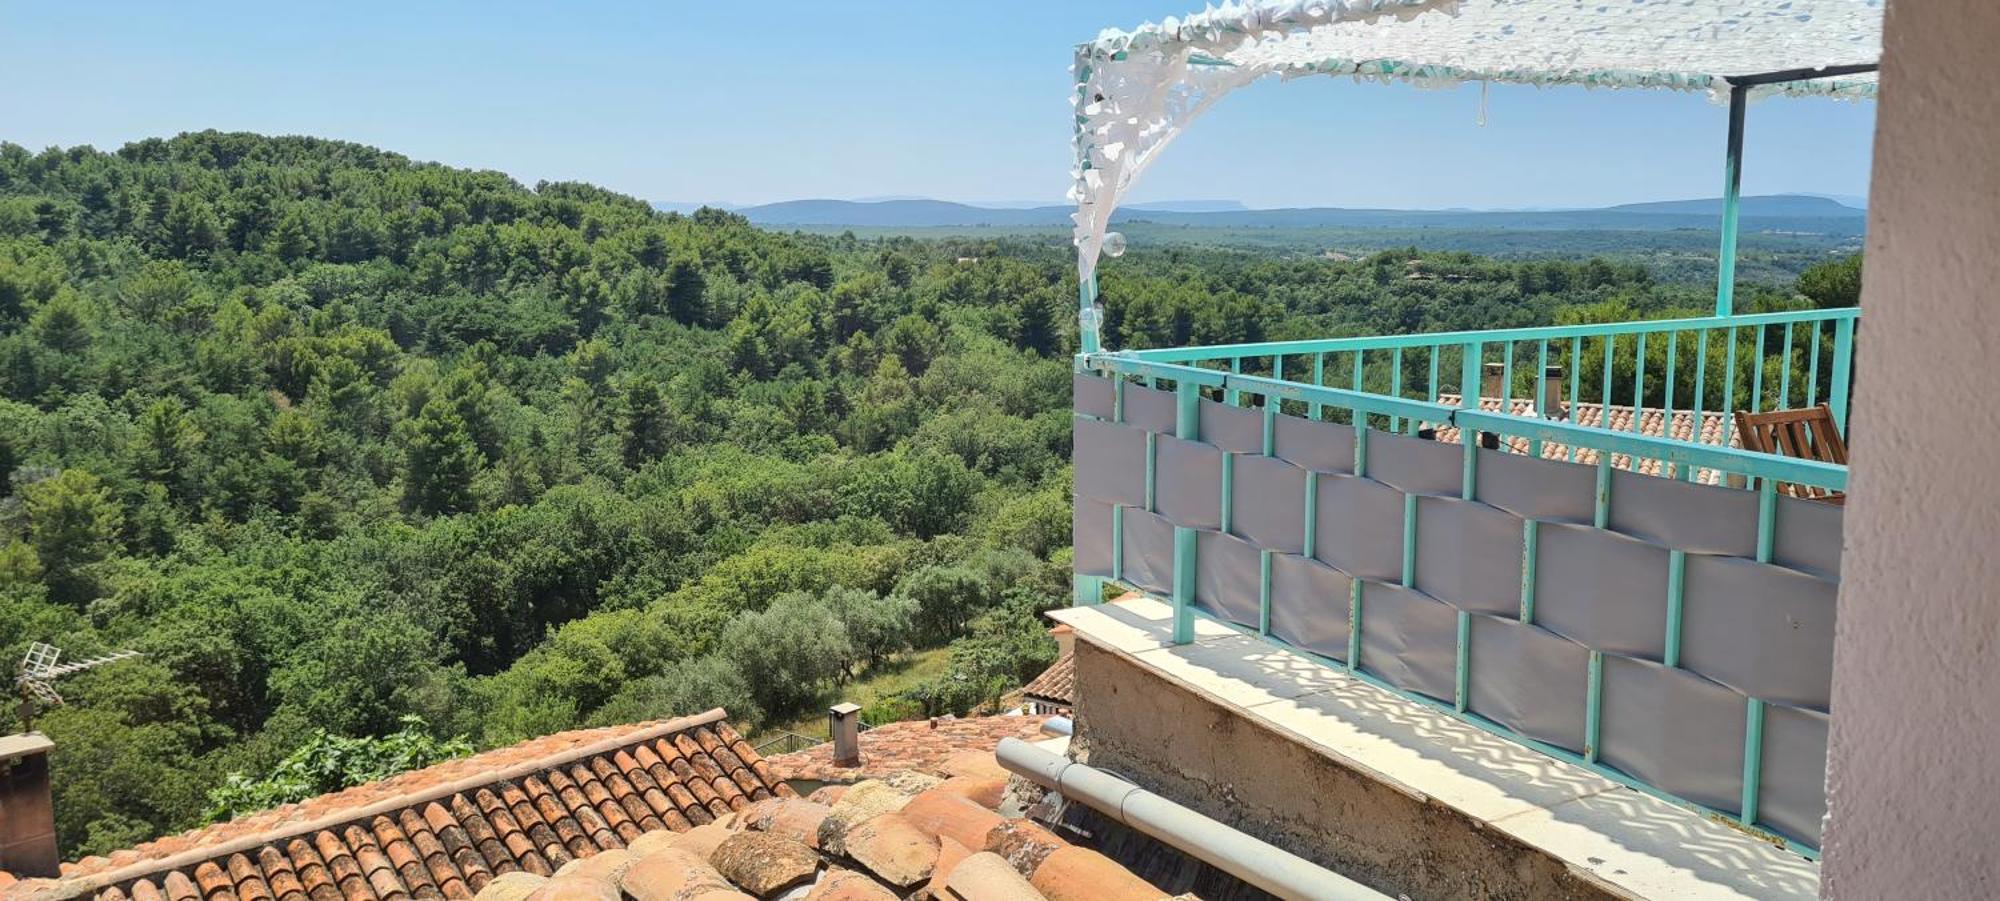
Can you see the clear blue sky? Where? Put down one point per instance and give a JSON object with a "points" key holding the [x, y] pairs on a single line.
{"points": [[751, 102]]}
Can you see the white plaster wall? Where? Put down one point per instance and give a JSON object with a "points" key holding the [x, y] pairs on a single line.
{"points": [[1914, 766]]}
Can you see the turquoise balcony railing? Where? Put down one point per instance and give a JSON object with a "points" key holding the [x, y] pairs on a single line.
{"points": [[1601, 573]]}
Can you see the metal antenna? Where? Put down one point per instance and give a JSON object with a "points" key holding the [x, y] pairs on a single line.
{"points": [[39, 670]]}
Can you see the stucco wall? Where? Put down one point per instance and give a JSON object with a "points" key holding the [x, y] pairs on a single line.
{"points": [[1913, 784], [1138, 724]]}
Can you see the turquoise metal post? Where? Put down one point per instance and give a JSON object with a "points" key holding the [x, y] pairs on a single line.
{"points": [[1757, 375], [1086, 293], [1264, 593], [1753, 758], [1187, 427], [1462, 690], [1812, 369], [1843, 367], [1732, 192], [1676, 603], [1468, 399], [1689, 474], [1530, 537], [1396, 386], [1319, 378], [1593, 700], [1541, 395], [1575, 384], [1785, 372]]}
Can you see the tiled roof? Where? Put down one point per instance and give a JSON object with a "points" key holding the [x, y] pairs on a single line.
{"points": [[922, 746], [451, 829], [908, 836], [1716, 429], [1057, 684]]}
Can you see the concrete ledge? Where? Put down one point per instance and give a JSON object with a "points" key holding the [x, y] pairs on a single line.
{"points": [[1379, 787]]}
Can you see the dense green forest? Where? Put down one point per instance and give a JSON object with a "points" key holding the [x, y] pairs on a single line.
{"points": [[371, 456]]}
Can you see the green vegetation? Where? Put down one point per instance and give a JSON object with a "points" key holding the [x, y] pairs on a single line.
{"points": [[340, 440], [327, 763]]}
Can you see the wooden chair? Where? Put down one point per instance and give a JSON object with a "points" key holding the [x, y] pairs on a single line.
{"points": [[1807, 434]]}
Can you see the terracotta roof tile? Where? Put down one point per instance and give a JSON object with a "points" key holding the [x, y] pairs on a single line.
{"points": [[1715, 429], [920, 746], [447, 831], [1056, 685]]}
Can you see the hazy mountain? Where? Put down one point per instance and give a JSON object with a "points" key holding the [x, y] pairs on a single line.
{"points": [[1772, 205], [1190, 206], [1778, 212], [682, 207]]}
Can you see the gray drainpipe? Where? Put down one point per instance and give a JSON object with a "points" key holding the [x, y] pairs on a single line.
{"points": [[1265, 866]]}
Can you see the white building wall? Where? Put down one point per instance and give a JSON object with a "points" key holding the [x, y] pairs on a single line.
{"points": [[1914, 764]]}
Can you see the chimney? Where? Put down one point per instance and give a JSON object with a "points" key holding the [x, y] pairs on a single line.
{"points": [[843, 720], [27, 814], [1552, 396], [1493, 382], [1065, 639]]}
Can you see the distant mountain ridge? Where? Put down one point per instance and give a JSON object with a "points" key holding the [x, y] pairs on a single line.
{"points": [[1775, 212]]}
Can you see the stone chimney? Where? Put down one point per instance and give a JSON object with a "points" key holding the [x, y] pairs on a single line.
{"points": [[1492, 381], [1492, 384], [27, 813], [1065, 639], [843, 721]]}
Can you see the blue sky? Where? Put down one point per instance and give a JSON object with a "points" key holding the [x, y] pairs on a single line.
{"points": [[755, 102]]}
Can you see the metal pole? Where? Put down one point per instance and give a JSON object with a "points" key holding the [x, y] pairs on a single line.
{"points": [[1732, 189], [1087, 315]]}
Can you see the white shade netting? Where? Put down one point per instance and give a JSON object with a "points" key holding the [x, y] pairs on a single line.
{"points": [[1137, 90]]}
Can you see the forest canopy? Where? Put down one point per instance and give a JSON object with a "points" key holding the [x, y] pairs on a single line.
{"points": [[368, 456]]}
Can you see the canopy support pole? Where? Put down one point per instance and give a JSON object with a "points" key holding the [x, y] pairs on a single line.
{"points": [[1732, 191], [1087, 316]]}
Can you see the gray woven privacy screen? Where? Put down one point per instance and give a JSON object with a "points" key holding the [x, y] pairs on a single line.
{"points": [[1467, 604]]}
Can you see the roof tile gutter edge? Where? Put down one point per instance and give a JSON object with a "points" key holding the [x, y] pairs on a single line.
{"points": [[1250, 859], [85, 885]]}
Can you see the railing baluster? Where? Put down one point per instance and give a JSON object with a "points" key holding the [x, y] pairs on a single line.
{"points": [[1638, 394], [1843, 367], [1396, 387], [1187, 427], [1604, 402], [1812, 369], [1277, 374], [1700, 386], [1319, 378], [1541, 393], [1667, 402], [1358, 383], [1231, 396], [1785, 373], [1575, 383], [1468, 399], [1436, 349], [1757, 375], [1729, 380]]}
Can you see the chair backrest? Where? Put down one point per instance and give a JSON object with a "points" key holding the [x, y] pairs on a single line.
{"points": [[1808, 433]]}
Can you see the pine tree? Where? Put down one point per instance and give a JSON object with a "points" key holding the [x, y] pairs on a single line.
{"points": [[643, 423], [440, 462]]}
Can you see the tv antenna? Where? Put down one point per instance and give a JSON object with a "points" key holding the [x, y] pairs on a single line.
{"points": [[35, 682]]}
